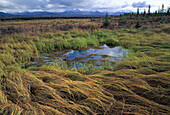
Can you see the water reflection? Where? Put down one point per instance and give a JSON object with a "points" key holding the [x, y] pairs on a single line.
{"points": [[97, 56]]}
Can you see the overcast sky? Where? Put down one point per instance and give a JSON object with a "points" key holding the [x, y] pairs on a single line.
{"points": [[87, 5]]}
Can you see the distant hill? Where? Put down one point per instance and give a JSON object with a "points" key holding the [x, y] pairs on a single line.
{"points": [[68, 12], [34, 13], [79, 12], [2, 13], [117, 13]]}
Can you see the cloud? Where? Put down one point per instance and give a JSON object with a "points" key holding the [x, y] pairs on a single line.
{"points": [[87, 5], [125, 5], [140, 4], [23, 5], [66, 2]]}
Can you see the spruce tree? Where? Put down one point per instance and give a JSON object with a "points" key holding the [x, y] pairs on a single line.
{"points": [[144, 13], [156, 13], [162, 8], [137, 12], [149, 10], [168, 11], [106, 22], [138, 25]]}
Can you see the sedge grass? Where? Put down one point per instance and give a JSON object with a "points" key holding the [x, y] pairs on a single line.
{"points": [[139, 84]]}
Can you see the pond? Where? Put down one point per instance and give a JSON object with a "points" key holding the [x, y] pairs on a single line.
{"points": [[96, 56]]}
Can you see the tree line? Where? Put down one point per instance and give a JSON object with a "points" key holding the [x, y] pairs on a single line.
{"points": [[158, 13]]}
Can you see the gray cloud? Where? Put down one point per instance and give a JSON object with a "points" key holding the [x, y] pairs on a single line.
{"points": [[140, 4], [125, 5], [62, 5], [17, 5], [30, 4], [23, 5], [66, 2]]}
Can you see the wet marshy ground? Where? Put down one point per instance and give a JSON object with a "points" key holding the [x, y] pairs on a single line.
{"points": [[96, 56]]}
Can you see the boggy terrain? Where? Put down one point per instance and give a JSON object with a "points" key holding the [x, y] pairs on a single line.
{"points": [[139, 84], [54, 25]]}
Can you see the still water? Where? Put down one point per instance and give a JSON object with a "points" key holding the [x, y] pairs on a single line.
{"points": [[96, 56]]}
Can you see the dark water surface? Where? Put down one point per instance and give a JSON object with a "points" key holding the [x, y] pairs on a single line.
{"points": [[96, 56]]}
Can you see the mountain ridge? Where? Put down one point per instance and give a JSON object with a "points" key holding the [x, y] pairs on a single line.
{"points": [[68, 12]]}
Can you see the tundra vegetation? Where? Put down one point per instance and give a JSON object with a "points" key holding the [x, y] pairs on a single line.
{"points": [[139, 84]]}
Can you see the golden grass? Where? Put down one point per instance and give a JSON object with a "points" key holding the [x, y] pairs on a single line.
{"points": [[140, 84]]}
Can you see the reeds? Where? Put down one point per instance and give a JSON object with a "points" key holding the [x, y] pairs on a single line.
{"points": [[139, 84]]}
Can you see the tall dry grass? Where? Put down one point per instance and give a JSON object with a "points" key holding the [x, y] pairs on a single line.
{"points": [[137, 85]]}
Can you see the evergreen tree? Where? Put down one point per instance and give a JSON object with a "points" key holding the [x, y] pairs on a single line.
{"points": [[106, 22], [132, 14], [138, 25], [149, 10], [156, 13], [162, 8], [144, 13], [168, 11], [137, 12]]}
